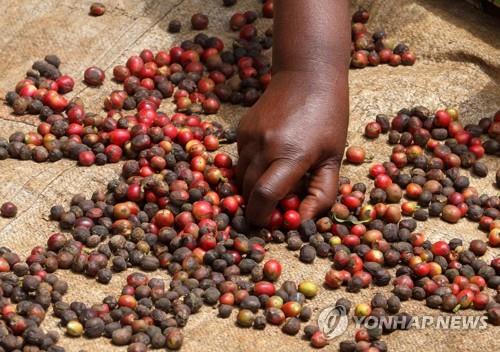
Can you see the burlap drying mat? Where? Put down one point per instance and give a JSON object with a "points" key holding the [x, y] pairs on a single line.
{"points": [[458, 64]]}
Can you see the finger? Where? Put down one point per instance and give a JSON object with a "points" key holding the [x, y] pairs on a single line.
{"points": [[252, 174], [241, 143], [274, 184], [242, 138], [244, 159], [301, 186], [322, 190]]}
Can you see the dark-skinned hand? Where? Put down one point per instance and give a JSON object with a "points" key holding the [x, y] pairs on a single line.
{"points": [[299, 125]]}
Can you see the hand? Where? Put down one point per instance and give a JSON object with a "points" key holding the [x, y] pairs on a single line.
{"points": [[299, 125]]}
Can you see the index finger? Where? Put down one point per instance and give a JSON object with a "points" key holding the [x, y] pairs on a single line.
{"points": [[274, 184]]}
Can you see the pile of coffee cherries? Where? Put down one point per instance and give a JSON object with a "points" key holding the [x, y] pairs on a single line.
{"points": [[368, 336], [426, 166], [423, 179], [373, 49], [42, 90], [176, 208], [200, 74], [69, 131], [177, 219], [27, 293], [367, 49], [202, 71]]}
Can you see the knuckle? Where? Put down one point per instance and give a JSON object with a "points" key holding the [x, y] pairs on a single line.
{"points": [[268, 137], [285, 151], [319, 196], [335, 160], [332, 163], [266, 192], [323, 201]]}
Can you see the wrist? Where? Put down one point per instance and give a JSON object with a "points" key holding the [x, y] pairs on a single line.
{"points": [[320, 84], [317, 67]]}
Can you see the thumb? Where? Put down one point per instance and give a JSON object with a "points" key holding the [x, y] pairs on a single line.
{"points": [[322, 190], [274, 184]]}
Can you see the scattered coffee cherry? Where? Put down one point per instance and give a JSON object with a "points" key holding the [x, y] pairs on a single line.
{"points": [[74, 328], [373, 130], [272, 270], [479, 169], [174, 26], [245, 318], [97, 9], [308, 289], [362, 310], [174, 339], [318, 340], [355, 155], [93, 76], [494, 237], [8, 210], [478, 247], [65, 84], [291, 326], [361, 15], [307, 254], [451, 214], [86, 158], [53, 60], [199, 21], [267, 9], [237, 21]]}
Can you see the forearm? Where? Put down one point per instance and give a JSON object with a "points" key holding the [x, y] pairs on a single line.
{"points": [[305, 132], [312, 36]]}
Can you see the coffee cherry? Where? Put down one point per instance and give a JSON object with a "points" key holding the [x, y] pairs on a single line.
{"points": [[308, 289], [93, 76], [355, 155], [272, 270], [97, 9], [74, 328], [373, 130], [318, 340], [86, 158], [174, 26], [291, 220], [8, 210], [199, 21], [451, 214], [267, 9]]}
